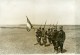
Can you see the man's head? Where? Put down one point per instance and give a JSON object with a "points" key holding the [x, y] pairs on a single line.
{"points": [[55, 28], [51, 29], [39, 27], [61, 27], [42, 28]]}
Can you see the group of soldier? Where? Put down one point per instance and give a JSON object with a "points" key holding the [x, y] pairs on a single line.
{"points": [[54, 36]]}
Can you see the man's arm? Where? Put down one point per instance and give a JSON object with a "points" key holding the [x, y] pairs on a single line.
{"points": [[64, 36]]}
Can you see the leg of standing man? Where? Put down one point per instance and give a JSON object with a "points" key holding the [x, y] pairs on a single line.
{"points": [[61, 46]]}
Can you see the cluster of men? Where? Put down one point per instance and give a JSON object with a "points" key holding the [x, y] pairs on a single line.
{"points": [[54, 37]]}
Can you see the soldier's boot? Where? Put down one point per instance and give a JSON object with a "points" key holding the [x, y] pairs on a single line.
{"points": [[56, 52], [61, 49], [48, 40], [39, 41], [44, 44], [55, 49], [52, 43]]}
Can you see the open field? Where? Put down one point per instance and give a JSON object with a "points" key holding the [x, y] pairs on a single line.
{"points": [[19, 41]]}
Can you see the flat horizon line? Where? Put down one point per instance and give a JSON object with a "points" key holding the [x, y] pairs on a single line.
{"points": [[35, 24], [39, 24]]}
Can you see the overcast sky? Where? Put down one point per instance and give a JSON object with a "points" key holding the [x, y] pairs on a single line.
{"points": [[38, 11]]}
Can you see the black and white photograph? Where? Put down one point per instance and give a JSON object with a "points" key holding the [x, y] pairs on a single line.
{"points": [[39, 26]]}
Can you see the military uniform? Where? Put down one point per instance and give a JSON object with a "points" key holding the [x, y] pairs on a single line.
{"points": [[61, 38], [49, 36], [54, 37], [44, 37], [38, 35]]}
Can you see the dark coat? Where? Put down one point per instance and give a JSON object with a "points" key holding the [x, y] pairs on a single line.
{"points": [[54, 35], [49, 34], [38, 33], [61, 36]]}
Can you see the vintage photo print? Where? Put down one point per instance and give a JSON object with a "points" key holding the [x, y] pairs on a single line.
{"points": [[39, 26]]}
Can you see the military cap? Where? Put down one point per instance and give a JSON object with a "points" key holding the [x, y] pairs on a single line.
{"points": [[61, 27]]}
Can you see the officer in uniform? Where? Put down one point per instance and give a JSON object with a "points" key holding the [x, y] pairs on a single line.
{"points": [[54, 37], [61, 38], [49, 35], [38, 35], [44, 37]]}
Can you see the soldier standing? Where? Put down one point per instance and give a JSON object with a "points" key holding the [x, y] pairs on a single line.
{"points": [[49, 35], [61, 38], [44, 37], [54, 36], [38, 35]]}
